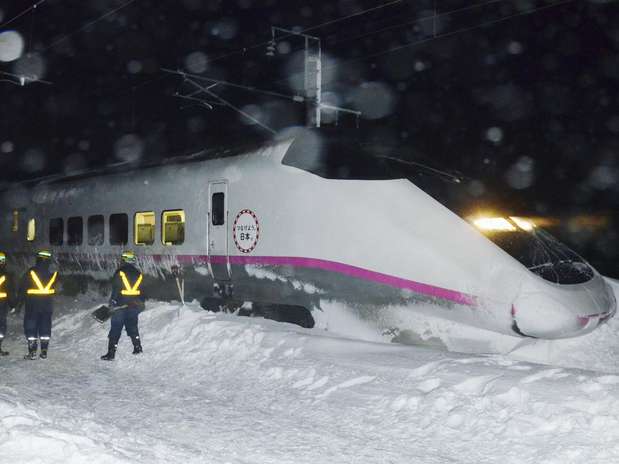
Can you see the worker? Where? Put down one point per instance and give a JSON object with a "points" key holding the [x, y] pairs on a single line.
{"points": [[126, 303], [37, 290], [7, 299]]}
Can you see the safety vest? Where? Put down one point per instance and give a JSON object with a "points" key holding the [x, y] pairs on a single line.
{"points": [[40, 288], [3, 294], [130, 290]]}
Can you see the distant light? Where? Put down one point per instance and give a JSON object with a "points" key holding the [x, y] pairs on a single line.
{"points": [[515, 48], [494, 134], [7, 146], [523, 223], [494, 224], [134, 67]]}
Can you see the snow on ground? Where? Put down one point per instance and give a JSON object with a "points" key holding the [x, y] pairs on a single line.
{"points": [[225, 389]]}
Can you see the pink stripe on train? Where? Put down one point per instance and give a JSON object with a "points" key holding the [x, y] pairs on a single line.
{"points": [[352, 271], [314, 263]]}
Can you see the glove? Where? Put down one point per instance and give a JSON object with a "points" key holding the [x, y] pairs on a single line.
{"points": [[113, 303]]}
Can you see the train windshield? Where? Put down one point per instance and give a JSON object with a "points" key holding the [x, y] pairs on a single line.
{"points": [[542, 254]]}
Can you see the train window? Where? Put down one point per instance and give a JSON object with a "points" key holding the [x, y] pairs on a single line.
{"points": [[96, 230], [119, 229], [56, 231], [75, 231], [31, 230], [218, 208], [15, 225], [144, 232], [173, 227]]}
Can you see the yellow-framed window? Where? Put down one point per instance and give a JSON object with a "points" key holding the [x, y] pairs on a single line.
{"points": [[31, 230], [144, 228], [173, 227]]}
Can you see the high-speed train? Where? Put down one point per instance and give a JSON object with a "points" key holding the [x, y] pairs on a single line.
{"points": [[313, 217]]}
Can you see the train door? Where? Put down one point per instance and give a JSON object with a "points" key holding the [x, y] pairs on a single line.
{"points": [[218, 230]]}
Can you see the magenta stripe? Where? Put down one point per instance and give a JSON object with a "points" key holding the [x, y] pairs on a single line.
{"points": [[345, 269], [331, 266]]}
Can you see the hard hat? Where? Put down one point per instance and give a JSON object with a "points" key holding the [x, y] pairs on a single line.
{"points": [[128, 257], [2, 258], [45, 254]]}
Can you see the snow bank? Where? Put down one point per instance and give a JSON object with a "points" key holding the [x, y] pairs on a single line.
{"points": [[26, 436], [224, 389]]}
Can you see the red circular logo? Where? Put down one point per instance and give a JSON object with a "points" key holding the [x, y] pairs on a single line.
{"points": [[246, 231]]}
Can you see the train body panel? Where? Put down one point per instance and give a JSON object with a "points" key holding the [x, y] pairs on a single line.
{"points": [[256, 229]]}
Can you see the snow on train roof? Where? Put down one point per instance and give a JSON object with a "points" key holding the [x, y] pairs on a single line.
{"points": [[218, 152]]}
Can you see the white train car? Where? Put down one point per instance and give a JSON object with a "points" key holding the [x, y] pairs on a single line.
{"points": [[310, 218]]}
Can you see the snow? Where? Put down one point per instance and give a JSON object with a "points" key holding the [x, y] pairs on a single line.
{"points": [[11, 45], [224, 389]]}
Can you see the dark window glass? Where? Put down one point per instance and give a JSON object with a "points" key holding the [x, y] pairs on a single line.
{"points": [[56, 231], [218, 210], [95, 230], [119, 229], [75, 231], [544, 255]]}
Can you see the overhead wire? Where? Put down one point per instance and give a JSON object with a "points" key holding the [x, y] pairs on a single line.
{"points": [[432, 17], [297, 98], [88, 24], [303, 31], [456, 32], [25, 78], [19, 15], [437, 36], [207, 90]]}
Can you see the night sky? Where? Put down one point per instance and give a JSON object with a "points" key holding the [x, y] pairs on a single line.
{"points": [[526, 101]]}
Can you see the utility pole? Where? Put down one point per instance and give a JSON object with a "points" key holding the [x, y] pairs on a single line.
{"points": [[313, 80], [312, 73]]}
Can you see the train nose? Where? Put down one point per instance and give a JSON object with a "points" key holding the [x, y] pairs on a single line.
{"points": [[540, 316]]}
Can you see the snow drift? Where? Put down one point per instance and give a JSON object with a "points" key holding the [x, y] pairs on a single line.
{"points": [[225, 389]]}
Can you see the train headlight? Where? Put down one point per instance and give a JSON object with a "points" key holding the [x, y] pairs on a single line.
{"points": [[524, 224], [494, 224], [501, 224]]}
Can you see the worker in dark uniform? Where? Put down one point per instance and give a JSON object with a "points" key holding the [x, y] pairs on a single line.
{"points": [[37, 290], [126, 301], [7, 299]]}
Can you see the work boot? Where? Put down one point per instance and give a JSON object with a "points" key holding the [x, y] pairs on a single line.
{"points": [[3, 353], [111, 351], [32, 350], [137, 345], [44, 346]]}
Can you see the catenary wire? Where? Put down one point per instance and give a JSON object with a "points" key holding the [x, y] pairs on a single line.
{"points": [[418, 20], [438, 36], [88, 24], [302, 31], [453, 33], [421, 41], [14, 18]]}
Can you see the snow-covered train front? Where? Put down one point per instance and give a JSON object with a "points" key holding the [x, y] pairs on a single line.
{"points": [[311, 219]]}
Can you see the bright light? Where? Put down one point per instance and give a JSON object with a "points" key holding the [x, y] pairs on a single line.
{"points": [[494, 224], [524, 224]]}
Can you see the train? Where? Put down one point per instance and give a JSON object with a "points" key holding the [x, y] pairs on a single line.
{"points": [[285, 226]]}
